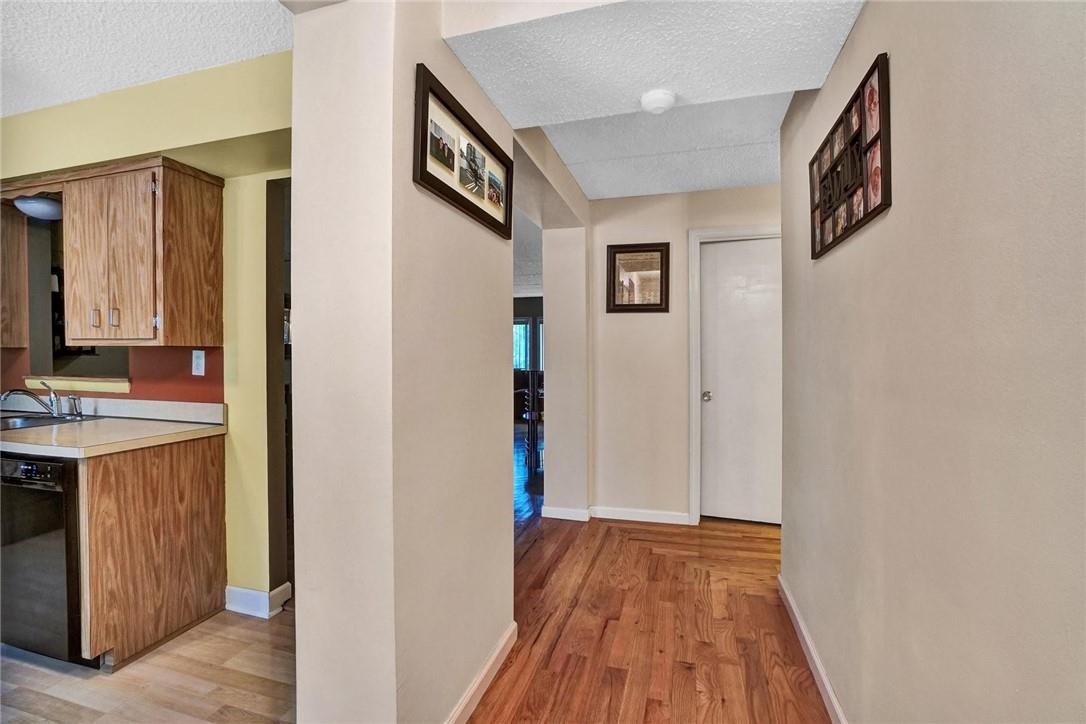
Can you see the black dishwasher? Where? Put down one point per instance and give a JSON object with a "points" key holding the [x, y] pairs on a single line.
{"points": [[39, 556]]}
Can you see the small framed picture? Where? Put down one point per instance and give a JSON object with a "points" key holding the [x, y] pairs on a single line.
{"points": [[637, 277], [495, 190], [871, 101], [827, 231], [854, 116], [442, 146], [857, 206], [472, 168], [839, 140], [840, 219], [814, 181], [827, 158], [816, 223], [456, 159], [874, 175]]}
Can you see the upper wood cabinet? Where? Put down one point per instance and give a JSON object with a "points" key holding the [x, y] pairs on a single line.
{"points": [[142, 253], [14, 296]]}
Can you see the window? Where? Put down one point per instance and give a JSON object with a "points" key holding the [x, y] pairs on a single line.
{"points": [[522, 353]]}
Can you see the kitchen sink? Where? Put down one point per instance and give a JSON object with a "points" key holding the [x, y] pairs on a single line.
{"points": [[18, 422]]}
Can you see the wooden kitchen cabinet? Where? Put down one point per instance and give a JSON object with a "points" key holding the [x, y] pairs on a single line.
{"points": [[152, 545], [14, 296], [142, 252]]}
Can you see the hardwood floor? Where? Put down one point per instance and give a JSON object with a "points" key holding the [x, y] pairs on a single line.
{"points": [[527, 488], [626, 622], [229, 668], [635, 622]]}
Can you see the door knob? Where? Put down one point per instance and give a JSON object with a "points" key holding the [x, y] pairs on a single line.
{"points": [[707, 396]]}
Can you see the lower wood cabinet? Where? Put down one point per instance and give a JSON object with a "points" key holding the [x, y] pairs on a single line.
{"points": [[152, 544]]}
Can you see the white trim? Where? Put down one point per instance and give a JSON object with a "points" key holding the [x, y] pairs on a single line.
{"points": [[581, 514], [696, 238], [640, 515], [829, 697], [262, 604], [466, 706], [211, 413]]}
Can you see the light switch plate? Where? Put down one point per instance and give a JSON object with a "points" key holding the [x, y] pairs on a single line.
{"points": [[198, 362]]}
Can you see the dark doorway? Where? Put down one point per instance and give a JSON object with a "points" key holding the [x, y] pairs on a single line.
{"points": [[280, 448], [528, 442]]}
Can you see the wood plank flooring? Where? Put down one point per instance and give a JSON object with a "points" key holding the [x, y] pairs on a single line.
{"points": [[633, 622], [625, 622], [229, 668]]}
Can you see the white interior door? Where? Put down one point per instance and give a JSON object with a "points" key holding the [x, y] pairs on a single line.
{"points": [[741, 360]]}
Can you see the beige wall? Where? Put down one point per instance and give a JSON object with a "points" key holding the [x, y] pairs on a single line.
{"points": [[402, 470], [566, 365], [341, 292], [640, 374], [452, 361], [934, 375]]}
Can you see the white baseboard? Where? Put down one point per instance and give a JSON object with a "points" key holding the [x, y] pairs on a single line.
{"points": [[640, 515], [829, 697], [466, 706], [581, 514], [262, 604]]}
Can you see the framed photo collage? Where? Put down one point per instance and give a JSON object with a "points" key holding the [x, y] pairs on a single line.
{"points": [[850, 172]]}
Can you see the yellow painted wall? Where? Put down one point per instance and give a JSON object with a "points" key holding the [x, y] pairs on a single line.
{"points": [[229, 101], [245, 378], [239, 102]]}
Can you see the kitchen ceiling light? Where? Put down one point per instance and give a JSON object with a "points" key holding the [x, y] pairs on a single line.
{"points": [[39, 207], [657, 101]]}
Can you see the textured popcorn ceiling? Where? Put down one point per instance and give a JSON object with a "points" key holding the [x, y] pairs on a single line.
{"points": [[707, 146], [56, 52], [733, 66]]}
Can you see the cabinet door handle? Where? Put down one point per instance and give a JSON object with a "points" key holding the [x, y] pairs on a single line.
{"points": [[96, 317], [114, 317]]}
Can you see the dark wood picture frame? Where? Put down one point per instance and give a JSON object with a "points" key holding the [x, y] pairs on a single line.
{"points": [[850, 147], [426, 85], [613, 250]]}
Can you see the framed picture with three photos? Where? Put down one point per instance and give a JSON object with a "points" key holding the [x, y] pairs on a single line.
{"points": [[850, 171], [457, 160]]}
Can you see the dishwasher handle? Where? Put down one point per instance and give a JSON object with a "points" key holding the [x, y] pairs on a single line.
{"points": [[31, 484]]}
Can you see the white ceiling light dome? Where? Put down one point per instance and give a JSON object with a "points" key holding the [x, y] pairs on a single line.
{"points": [[657, 100], [39, 207]]}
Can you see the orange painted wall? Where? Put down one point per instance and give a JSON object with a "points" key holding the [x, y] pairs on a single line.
{"points": [[157, 373]]}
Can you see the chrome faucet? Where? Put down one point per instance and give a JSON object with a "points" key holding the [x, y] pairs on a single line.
{"points": [[51, 408], [54, 400]]}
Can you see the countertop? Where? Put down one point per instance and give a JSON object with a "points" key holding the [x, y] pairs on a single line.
{"points": [[102, 436]]}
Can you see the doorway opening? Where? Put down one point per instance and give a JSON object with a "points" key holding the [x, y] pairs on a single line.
{"points": [[278, 341], [528, 399]]}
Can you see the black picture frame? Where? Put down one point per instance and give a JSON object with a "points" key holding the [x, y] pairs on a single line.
{"points": [[427, 85], [613, 250], [855, 150]]}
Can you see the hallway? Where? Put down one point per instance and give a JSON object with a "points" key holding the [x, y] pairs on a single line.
{"points": [[641, 622]]}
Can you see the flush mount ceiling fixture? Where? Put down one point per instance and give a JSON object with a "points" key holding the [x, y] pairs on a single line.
{"points": [[39, 207], [657, 100]]}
